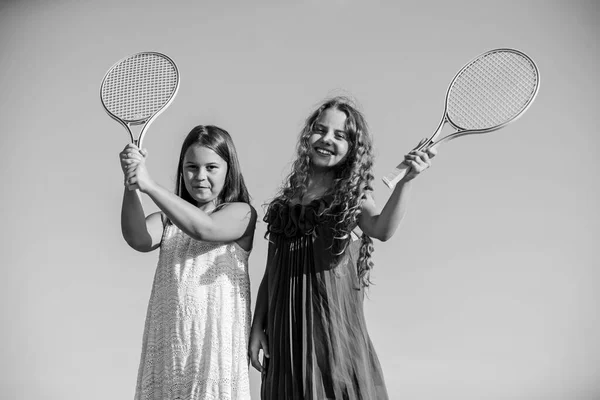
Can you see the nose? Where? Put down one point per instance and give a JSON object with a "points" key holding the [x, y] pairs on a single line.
{"points": [[201, 174], [326, 138]]}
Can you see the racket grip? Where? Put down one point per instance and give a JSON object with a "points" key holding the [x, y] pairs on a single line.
{"points": [[394, 177]]}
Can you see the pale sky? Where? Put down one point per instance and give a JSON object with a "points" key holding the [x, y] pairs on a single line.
{"points": [[489, 289]]}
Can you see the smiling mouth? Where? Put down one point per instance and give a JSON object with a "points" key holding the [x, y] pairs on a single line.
{"points": [[323, 152]]}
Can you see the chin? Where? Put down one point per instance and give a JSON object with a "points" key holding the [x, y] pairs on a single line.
{"points": [[319, 161], [201, 199], [324, 164]]}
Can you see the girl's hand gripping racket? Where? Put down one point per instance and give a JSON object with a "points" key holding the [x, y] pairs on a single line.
{"points": [[137, 89], [489, 92]]}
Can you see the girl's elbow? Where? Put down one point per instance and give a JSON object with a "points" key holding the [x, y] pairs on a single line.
{"points": [[385, 237], [199, 234], [141, 244], [138, 245]]}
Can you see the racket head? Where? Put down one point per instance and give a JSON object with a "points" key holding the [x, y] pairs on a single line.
{"points": [[138, 88], [492, 90]]}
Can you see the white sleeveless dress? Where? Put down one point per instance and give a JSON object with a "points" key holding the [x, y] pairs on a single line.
{"points": [[198, 322]]}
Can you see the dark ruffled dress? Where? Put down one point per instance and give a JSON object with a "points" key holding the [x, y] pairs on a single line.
{"points": [[318, 341]]}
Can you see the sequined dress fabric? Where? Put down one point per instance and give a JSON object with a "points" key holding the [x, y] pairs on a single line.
{"points": [[318, 340], [197, 324]]}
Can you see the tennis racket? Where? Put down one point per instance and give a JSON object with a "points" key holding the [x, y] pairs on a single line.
{"points": [[137, 89], [488, 93]]}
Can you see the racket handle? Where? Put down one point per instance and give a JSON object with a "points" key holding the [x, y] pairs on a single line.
{"points": [[394, 177]]}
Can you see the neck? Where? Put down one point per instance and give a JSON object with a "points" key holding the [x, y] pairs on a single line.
{"points": [[319, 182]]}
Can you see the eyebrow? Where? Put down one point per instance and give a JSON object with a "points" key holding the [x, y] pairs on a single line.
{"points": [[195, 163], [319, 125]]}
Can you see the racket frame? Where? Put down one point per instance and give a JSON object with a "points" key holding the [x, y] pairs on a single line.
{"points": [[393, 177], [140, 126]]}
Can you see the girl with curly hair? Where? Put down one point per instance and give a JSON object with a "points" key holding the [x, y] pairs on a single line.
{"points": [[309, 320]]}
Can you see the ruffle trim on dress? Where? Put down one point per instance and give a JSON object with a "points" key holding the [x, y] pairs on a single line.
{"points": [[295, 219]]}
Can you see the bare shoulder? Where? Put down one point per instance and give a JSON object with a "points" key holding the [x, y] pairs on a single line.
{"points": [[246, 215], [237, 210]]}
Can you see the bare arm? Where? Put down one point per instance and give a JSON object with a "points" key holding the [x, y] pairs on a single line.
{"points": [[260, 310], [382, 225], [230, 223], [258, 338], [141, 233]]}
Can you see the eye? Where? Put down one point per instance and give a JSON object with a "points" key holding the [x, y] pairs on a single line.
{"points": [[212, 167]]}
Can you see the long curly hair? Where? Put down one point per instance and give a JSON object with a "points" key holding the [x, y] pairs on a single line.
{"points": [[353, 180]]}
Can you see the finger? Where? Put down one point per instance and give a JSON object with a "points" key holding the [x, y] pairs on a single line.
{"points": [[130, 147], [416, 167], [129, 161], [132, 161], [257, 365], [254, 361], [133, 164], [265, 348], [144, 152], [132, 182], [431, 151], [131, 156], [129, 185], [129, 176], [422, 156], [133, 153], [410, 157]]}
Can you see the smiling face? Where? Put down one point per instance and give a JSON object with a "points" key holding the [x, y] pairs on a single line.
{"points": [[328, 140], [204, 173]]}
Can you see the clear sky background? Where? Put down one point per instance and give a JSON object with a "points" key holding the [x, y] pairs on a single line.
{"points": [[490, 289]]}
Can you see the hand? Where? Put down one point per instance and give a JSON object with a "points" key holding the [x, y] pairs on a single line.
{"points": [[258, 341], [418, 161], [129, 158], [133, 163]]}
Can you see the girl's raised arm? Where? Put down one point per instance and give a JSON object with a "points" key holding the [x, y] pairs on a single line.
{"points": [[232, 222], [141, 233], [382, 225]]}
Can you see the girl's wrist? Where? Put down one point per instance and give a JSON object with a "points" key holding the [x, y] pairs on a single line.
{"points": [[257, 326], [405, 182], [150, 187]]}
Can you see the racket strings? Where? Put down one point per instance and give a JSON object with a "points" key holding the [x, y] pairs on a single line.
{"points": [[139, 87], [492, 90]]}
